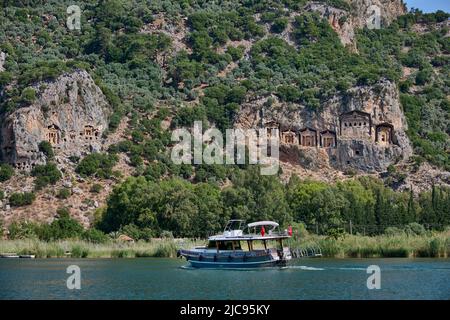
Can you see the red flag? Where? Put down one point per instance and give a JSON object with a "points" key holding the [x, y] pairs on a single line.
{"points": [[290, 231], [263, 231]]}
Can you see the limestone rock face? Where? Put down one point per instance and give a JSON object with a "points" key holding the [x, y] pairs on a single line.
{"points": [[363, 129], [389, 10], [71, 113], [362, 14], [339, 20]]}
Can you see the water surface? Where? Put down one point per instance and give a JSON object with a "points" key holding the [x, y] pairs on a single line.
{"points": [[156, 278]]}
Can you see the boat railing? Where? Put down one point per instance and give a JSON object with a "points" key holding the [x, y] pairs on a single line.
{"points": [[270, 233]]}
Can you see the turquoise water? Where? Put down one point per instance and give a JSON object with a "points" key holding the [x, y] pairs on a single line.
{"points": [[167, 279]]}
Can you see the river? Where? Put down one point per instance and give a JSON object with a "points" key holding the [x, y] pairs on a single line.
{"points": [[156, 278]]}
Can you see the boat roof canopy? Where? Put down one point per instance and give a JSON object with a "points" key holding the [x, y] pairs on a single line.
{"points": [[263, 223], [248, 237], [232, 234]]}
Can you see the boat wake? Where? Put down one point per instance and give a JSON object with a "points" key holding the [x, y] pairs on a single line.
{"points": [[305, 268], [187, 267]]}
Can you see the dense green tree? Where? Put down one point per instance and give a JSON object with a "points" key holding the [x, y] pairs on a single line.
{"points": [[210, 218], [130, 202]]}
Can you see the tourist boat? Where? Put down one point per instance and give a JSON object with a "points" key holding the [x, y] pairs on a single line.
{"points": [[225, 250], [16, 256], [9, 255]]}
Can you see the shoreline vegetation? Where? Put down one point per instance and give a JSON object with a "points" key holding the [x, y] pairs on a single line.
{"points": [[433, 245], [158, 248]]}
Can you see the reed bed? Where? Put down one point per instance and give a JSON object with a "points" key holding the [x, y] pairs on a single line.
{"points": [[166, 248], [435, 245]]}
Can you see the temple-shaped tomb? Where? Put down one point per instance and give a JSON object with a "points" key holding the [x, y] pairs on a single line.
{"points": [[356, 124], [289, 137], [383, 133], [272, 129], [89, 133], [53, 134], [328, 139], [308, 137]]}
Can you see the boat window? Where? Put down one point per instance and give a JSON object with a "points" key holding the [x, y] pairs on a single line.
{"points": [[235, 225], [226, 245], [212, 245]]}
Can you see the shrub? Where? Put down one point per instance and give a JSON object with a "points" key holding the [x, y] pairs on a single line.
{"points": [[166, 234], [45, 175], [46, 148], [392, 231], [21, 199], [136, 160], [423, 76], [415, 229], [2, 195], [279, 25], [95, 236], [114, 121], [132, 231], [236, 53], [63, 227], [28, 95], [97, 164], [23, 230], [288, 93], [5, 78], [64, 193], [6, 172], [96, 188]]}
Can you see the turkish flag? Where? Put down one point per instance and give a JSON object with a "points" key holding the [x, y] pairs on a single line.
{"points": [[263, 231], [290, 231]]}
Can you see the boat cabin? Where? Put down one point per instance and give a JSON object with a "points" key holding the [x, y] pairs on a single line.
{"points": [[225, 245], [262, 231]]}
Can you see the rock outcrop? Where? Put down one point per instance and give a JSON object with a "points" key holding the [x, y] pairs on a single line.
{"points": [[422, 178], [363, 10], [339, 19], [70, 113], [362, 14], [363, 130]]}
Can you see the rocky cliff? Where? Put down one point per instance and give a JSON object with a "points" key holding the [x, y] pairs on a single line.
{"points": [[362, 14], [362, 130], [70, 113]]}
